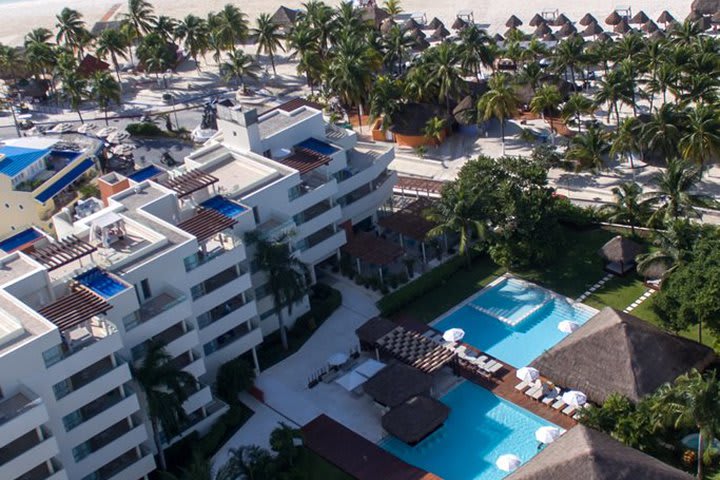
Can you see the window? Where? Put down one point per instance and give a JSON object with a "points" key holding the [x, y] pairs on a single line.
{"points": [[52, 355], [262, 291], [145, 285], [268, 314]]}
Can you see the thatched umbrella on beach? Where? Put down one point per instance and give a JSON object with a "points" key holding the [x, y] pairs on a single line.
{"points": [[459, 24], [498, 38], [561, 20], [387, 25], [587, 20], [657, 35], [513, 22], [440, 33], [715, 19], [603, 37], [435, 23], [421, 44], [693, 16], [665, 18], [567, 30], [410, 24], [650, 27], [542, 30], [703, 23], [550, 37], [623, 27], [537, 20], [512, 32], [418, 34], [614, 18], [640, 18], [592, 29]]}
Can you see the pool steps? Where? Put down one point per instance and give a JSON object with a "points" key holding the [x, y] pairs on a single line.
{"points": [[510, 321]]}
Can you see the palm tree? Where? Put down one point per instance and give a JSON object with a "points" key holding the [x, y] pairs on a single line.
{"points": [[10, 62], [445, 73], [240, 66], [105, 90], [500, 101], [674, 195], [396, 44], [286, 275], [74, 90], [200, 469], [589, 148], [628, 207], [111, 43], [693, 400], [269, 37], [230, 25], [662, 132], [627, 140], [303, 43], [577, 104], [614, 89], [385, 98], [664, 78], [546, 100], [251, 463], [71, 30], [282, 442], [674, 246], [320, 17], [476, 50], [39, 52], [154, 54], [165, 27], [701, 141], [531, 74], [568, 55], [165, 388], [140, 15], [193, 31], [434, 130], [456, 212], [392, 7], [349, 73]]}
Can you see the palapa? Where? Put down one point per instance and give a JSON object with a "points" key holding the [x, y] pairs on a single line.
{"points": [[703, 23], [550, 37], [614, 18], [542, 30], [396, 383], [513, 22], [587, 20], [410, 24], [498, 38], [623, 27], [693, 16], [657, 35], [387, 25], [620, 250], [604, 37], [640, 18], [665, 17], [592, 29], [537, 20], [415, 419], [567, 30], [421, 44], [435, 23], [459, 24], [715, 19], [561, 20], [440, 33], [418, 34], [650, 27]]}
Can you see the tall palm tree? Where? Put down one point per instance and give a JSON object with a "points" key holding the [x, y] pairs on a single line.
{"points": [[303, 43], [500, 102], [568, 55], [589, 149], [39, 52], [531, 74], [105, 90], [673, 248], [154, 54], [663, 131], [193, 31], [612, 90], [286, 275], [693, 400], [397, 44], [628, 207], [385, 98], [200, 469], [74, 90], [230, 26], [546, 100], [434, 130], [71, 30], [392, 7], [576, 105], [112, 43], [321, 18], [701, 141], [251, 463], [349, 73], [268, 37], [674, 196], [140, 15], [445, 73], [476, 50], [456, 213], [165, 27], [165, 388], [627, 140], [664, 78], [240, 66]]}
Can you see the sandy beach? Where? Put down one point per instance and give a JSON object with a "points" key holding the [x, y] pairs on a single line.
{"points": [[21, 16]]}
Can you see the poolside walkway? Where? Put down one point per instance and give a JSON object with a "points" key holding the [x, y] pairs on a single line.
{"points": [[640, 300]]}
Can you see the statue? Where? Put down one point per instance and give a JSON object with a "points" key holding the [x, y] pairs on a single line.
{"points": [[209, 119]]}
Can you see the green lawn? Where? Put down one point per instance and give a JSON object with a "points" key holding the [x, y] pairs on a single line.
{"points": [[618, 293]]}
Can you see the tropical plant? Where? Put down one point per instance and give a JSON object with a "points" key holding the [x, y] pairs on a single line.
{"points": [[663, 131], [392, 7], [673, 248], [613, 90], [568, 55], [240, 66], [589, 148], [165, 388], [628, 206], [476, 50], [112, 43], [397, 44], [106, 91], [154, 54], [445, 73], [74, 90], [303, 43], [500, 102], [71, 30], [385, 98], [230, 27], [251, 463], [701, 140], [165, 27], [268, 36], [434, 130], [320, 17], [200, 469], [531, 74], [627, 140], [194, 32], [140, 15], [349, 73], [546, 100], [283, 442], [674, 196], [576, 105]]}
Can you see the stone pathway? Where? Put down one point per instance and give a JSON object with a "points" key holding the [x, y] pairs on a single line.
{"points": [[640, 300], [595, 287]]}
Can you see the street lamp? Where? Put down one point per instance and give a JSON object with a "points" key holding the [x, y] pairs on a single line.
{"points": [[7, 100], [168, 74]]}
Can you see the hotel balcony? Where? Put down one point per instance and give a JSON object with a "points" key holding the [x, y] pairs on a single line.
{"points": [[365, 163], [365, 201], [93, 374], [24, 453], [314, 188], [214, 254], [163, 309], [191, 362], [316, 217], [43, 472], [130, 465], [231, 343], [177, 339], [320, 245], [101, 449], [21, 413]]}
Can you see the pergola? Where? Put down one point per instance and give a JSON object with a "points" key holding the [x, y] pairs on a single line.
{"points": [[206, 223], [416, 350], [410, 222], [368, 247], [305, 160], [61, 253], [189, 182], [417, 186], [79, 306]]}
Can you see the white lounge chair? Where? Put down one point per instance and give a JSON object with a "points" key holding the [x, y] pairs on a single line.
{"points": [[522, 386]]}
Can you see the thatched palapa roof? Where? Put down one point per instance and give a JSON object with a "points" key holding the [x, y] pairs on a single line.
{"points": [[665, 17], [513, 22], [542, 30], [620, 249], [657, 35], [440, 33], [567, 30], [592, 29], [459, 24], [561, 20], [374, 14], [694, 16], [715, 19], [550, 37], [435, 23], [387, 25], [284, 16], [623, 27], [705, 7], [415, 419], [410, 24], [650, 27], [614, 18], [587, 20], [703, 23], [396, 383], [640, 18], [614, 352], [604, 37], [586, 453], [498, 38], [536, 20]]}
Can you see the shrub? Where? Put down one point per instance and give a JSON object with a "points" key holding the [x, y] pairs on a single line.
{"points": [[575, 216], [144, 129], [89, 190], [234, 377]]}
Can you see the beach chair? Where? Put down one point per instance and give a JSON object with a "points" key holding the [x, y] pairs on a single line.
{"points": [[495, 368], [569, 410], [532, 391], [538, 394], [522, 386], [558, 405]]}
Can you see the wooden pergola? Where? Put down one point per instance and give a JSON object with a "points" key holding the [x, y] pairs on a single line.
{"points": [[206, 223], [370, 248], [418, 186], [79, 306], [411, 222], [61, 253], [305, 160], [189, 182]]}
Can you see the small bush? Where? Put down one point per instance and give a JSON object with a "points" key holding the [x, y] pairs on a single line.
{"points": [[575, 216], [234, 377], [89, 190], [144, 129]]}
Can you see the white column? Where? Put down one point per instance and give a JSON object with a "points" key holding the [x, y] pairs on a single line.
{"points": [[255, 361]]}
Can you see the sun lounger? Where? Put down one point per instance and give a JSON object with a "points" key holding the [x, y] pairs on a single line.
{"points": [[495, 368], [569, 410], [537, 395], [522, 386], [549, 400], [558, 405], [532, 391]]}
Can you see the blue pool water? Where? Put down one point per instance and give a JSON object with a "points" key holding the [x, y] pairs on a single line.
{"points": [[145, 173], [538, 310], [480, 428], [100, 282], [223, 205], [317, 146], [18, 240]]}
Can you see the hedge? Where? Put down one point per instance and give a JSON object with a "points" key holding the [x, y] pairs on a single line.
{"points": [[398, 299], [144, 129]]}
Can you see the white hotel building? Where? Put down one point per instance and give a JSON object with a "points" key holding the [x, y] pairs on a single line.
{"points": [[165, 259]]}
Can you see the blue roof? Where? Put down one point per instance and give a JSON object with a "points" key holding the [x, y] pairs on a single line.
{"points": [[69, 177], [18, 159], [20, 239]]}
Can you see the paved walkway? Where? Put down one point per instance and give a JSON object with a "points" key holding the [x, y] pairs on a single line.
{"points": [[595, 287], [639, 300]]}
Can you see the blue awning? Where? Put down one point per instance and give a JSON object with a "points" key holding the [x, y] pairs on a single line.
{"points": [[17, 159], [68, 178]]}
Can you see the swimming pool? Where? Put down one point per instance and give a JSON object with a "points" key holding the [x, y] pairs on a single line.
{"points": [[480, 428], [223, 205], [100, 282], [487, 320], [317, 146]]}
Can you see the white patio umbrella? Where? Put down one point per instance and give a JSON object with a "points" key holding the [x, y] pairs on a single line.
{"points": [[123, 149], [527, 374], [566, 326], [24, 116], [87, 128], [508, 462], [337, 359], [547, 435], [107, 131], [63, 127], [574, 398], [118, 137], [33, 132], [454, 335]]}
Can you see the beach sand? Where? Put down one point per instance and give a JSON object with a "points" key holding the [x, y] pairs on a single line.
{"points": [[20, 17]]}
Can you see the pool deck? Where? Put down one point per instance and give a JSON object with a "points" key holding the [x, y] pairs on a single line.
{"points": [[502, 385]]}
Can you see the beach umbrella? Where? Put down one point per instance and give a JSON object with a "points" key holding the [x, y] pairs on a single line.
{"points": [[86, 128], [715, 19], [547, 435], [418, 34], [561, 20], [106, 132], [63, 127], [592, 29], [574, 398], [453, 335], [527, 374], [337, 359], [440, 33], [665, 17], [566, 326], [640, 18], [435, 23], [508, 462], [704, 23], [537, 20], [693, 16], [623, 27], [118, 137], [650, 27], [387, 25], [421, 44], [459, 24], [614, 18], [587, 20], [542, 30], [513, 22], [604, 37], [410, 24], [498, 38], [550, 37], [657, 35], [567, 30], [122, 150]]}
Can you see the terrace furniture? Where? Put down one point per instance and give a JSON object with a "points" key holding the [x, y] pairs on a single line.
{"points": [[570, 410], [495, 368], [558, 405], [532, 391], [522, 386], [537, 395]]}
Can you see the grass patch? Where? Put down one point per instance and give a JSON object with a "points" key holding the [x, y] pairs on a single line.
{"points": [[618, 293]]}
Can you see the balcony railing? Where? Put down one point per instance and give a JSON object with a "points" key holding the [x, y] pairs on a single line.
{"points": [[228, 338], [224, 309], [95, 330], [17, 405], [314, 239], [118, 465], [22, 444], [213, 249], [165, 337], [153, 307], [219, 280], [85, 376], [104, 438], [94, 408]]}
